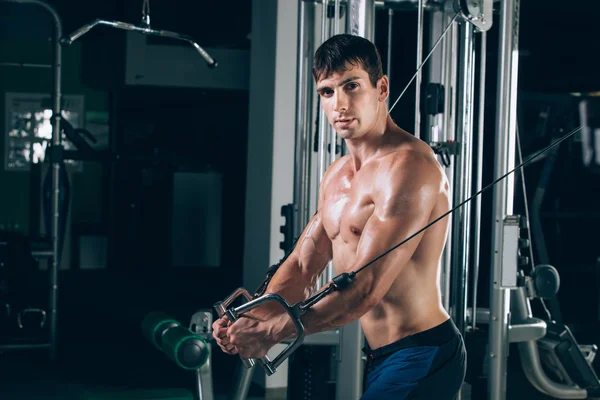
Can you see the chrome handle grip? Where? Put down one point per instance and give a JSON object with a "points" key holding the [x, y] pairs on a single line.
{"points": [[221, 308], [294, 312], [68, 40]]}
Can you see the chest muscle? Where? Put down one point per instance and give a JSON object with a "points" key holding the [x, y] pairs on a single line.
{"points": [[347, 207]]}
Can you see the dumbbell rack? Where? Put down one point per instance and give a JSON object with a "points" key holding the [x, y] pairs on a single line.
{"points": [[52, 253]]}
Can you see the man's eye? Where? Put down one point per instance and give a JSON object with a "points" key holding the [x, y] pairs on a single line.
{"points": [[352, 85], [326, 92]]}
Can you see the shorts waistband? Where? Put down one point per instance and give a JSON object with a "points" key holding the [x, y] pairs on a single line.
{"points": [[436, 336]]}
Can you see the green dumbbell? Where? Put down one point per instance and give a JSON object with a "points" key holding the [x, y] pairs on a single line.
{"points": [[185, 348]]}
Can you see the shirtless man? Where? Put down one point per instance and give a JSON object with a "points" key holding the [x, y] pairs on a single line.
{"points": [[389, 186]]}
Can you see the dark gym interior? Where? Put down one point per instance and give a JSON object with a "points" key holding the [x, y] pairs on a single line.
{"points": [[123, 232]]}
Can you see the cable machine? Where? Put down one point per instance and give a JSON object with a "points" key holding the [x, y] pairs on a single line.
{"points": [[456, 133]]}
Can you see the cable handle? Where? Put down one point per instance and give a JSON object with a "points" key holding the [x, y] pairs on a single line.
{"points": [[234, 313], [221, 309]]}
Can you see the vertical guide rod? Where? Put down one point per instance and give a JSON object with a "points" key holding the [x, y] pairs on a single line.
{"points": [[56, 142], [333, 134], [388, 69], [324, 133], [479, 175], [419, 62], [323, 124], [461, 234], [449, 68], [336, 16], [303, 142], [503, 193]]}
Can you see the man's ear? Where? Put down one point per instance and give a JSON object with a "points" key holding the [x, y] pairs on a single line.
{"points": [[383, 86]]}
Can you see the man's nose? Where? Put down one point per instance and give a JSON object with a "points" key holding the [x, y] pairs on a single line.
{"points": [[340, 102]]}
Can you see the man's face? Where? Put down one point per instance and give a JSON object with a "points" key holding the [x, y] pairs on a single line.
{"points": [[350, 101]]}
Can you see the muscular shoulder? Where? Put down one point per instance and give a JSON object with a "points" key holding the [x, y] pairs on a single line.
{"points": [[409, 174], [333, 170], [421, 166]]}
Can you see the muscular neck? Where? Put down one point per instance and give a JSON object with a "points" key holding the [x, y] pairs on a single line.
{"points": [[371, 143]]}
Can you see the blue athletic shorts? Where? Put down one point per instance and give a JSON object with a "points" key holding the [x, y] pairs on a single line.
{"points": [[427, 365]]}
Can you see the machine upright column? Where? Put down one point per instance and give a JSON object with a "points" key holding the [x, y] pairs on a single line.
{"points": [[503, 194], [448, 133], [461, 221], [304, 113]]}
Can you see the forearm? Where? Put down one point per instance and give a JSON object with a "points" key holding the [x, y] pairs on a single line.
{"points": [[297, 276], [334, 310], [291, 283], [288, 282]]}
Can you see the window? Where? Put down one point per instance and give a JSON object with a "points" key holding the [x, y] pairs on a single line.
{"points": [[29, 128]]}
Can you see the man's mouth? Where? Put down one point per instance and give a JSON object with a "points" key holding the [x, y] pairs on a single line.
{"points": [[344, 120]]}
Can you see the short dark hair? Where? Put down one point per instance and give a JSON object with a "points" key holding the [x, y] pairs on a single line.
{"points": [[336, 51]]}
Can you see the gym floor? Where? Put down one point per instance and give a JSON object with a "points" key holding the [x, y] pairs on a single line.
{"points": [[31, 375], [102, 353]]}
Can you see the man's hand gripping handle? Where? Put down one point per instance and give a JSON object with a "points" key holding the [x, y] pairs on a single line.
{"points": [[234, 313]]}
